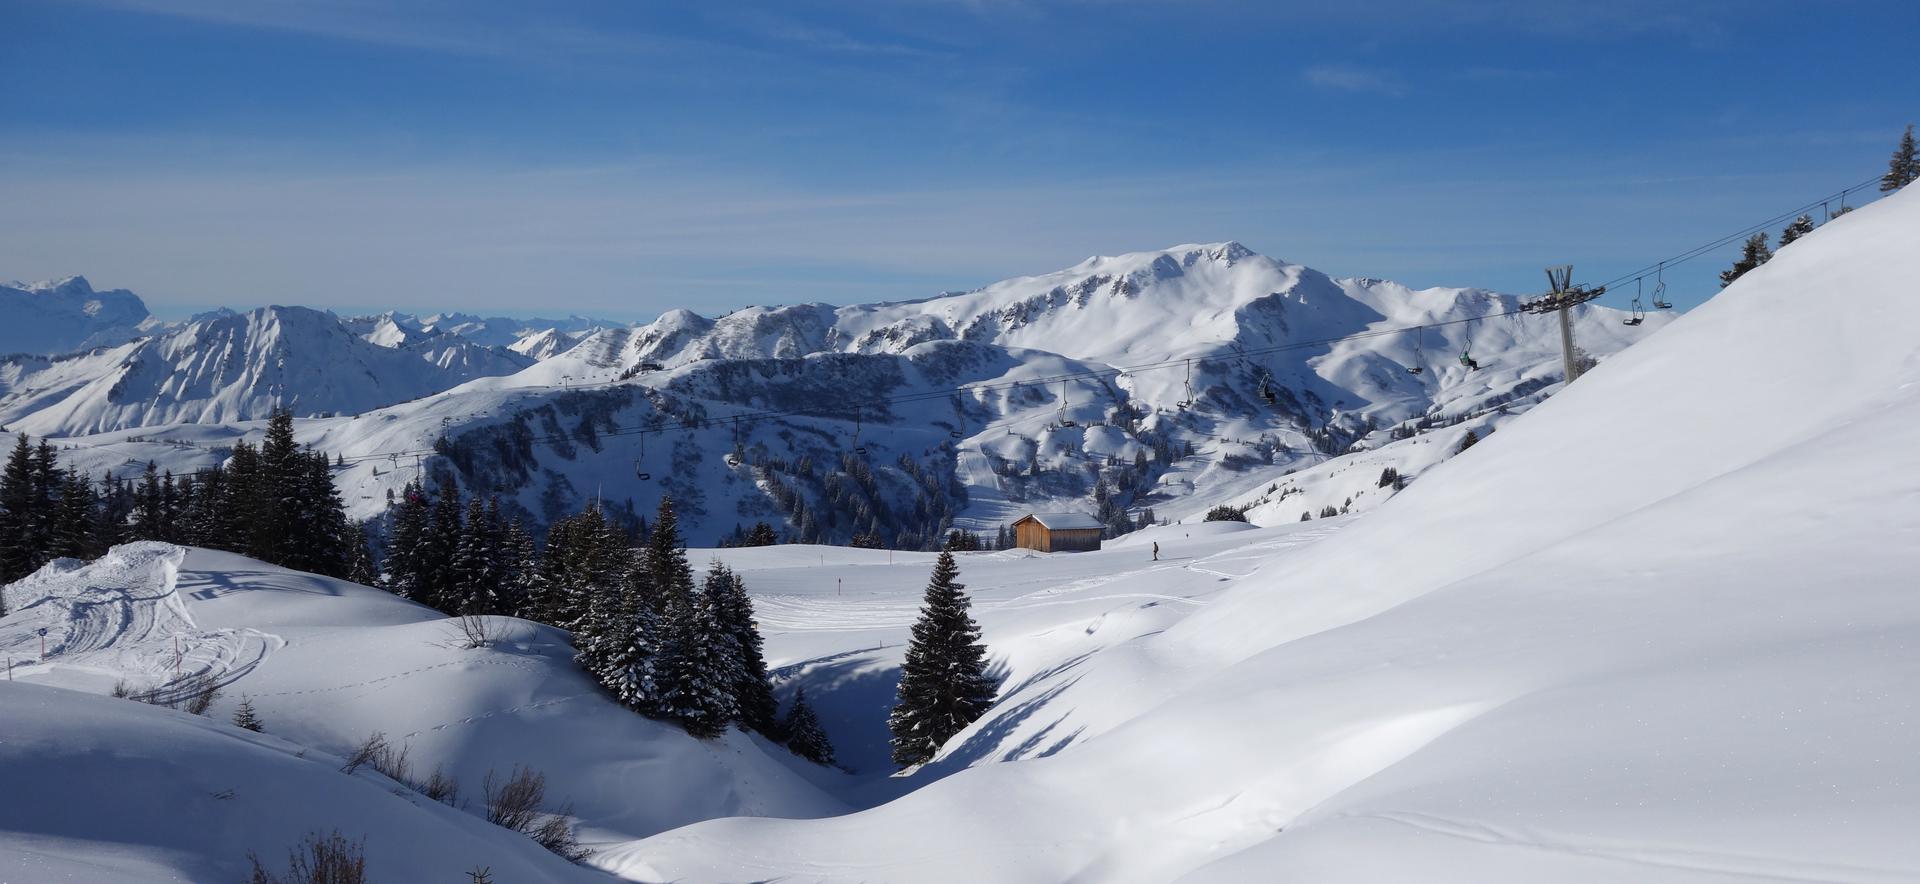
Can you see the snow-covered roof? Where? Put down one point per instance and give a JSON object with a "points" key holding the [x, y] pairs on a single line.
{"points": [[1065, 521]]}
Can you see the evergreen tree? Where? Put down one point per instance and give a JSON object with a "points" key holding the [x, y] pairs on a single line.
{"points": [[761, 535], [1468, 441], [666, 561], [632, 640], [361, 569], [1800, 227], [726, 593], [20, 549], [73, 519], [277, 495], [805, 737], [473, 572], [1904, 168], [437, 548], [245, 717], [520, 564], [1753, 254], [407, 574], [149, 511], [944, 684], [697, 677]]}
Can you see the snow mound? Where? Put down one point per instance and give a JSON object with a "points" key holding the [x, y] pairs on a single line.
{"points": [[326, 663]]}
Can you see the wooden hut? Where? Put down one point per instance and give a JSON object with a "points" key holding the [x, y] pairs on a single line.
{"points": [[1058, 532]]}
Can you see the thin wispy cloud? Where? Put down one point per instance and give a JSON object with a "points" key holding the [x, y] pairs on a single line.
{"points": [[1348, 78]]}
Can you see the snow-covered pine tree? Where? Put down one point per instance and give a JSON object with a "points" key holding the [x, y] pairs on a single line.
{"points": [[1904, 167], [944, 684], [361, 569], [697, 673], [1800, 227], [245, 717], [1753, 254], [1468, 441], [321, 527], [149, 516], [805, 737], [437, 548], [73, 518], [666, 562], [20, 550], [520, 567], [631, 645], [726, 593], [406, 575], [471, 575]]}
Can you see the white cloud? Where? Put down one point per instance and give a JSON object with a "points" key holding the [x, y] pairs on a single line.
{"points": [[1348, 78]]}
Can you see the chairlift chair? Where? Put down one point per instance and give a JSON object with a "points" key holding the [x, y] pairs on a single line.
{"points": [[857, 447], [1064, 420], [1660, 301], [639, 462], [1419, 357], [1639, 315]]}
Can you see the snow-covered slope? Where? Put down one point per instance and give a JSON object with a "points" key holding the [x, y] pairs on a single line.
{"points": [[234, 367], [57, 316], [1658, 629], [325, 663]]}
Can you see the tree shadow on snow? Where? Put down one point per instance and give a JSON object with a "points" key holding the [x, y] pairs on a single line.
{"points": [[210, 585]]}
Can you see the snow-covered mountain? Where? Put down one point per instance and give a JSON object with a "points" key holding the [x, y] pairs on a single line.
{"points": [[1197, 373], [58, 316], [225, 367]]}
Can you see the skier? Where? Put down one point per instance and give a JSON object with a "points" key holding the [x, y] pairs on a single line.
{"points": [[1156, 550], [1469, 362]]}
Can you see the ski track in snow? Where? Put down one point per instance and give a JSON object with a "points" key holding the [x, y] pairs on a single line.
{"points": [[133, 621]]}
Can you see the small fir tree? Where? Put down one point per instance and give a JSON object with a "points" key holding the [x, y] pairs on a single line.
{"points": [[246, 717], [1752, 255], [1904, 167], [805, 737], [1800, 227], [944, 684]]}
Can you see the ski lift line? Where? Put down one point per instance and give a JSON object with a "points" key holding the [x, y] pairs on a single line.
{"points": [[1729, 239], [1109, 373]]}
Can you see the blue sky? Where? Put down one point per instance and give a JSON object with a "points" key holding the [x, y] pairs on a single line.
{"points": [[621, 158]]}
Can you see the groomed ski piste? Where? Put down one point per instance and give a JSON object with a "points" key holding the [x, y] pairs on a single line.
{"points": [[1661, 627]]}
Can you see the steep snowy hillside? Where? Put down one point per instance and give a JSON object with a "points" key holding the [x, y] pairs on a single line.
{"points": [[1658, 630], [234, 367], [325, 663], [58, 316]]}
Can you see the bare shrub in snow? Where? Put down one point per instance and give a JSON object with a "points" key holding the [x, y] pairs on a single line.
{"points": [[478, 631], [319, 859], [369, 749], [441, 787], [201, 691], [122, 690], [515, 804]]}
